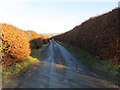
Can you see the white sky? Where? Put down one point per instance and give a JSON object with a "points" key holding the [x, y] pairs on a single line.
{"points": [[51, 16]]}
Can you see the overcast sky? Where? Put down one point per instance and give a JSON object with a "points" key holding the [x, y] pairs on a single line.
{"points": [[51, 16]]}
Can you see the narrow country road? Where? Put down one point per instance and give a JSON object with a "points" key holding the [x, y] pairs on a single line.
{"points": [[59, 69]]}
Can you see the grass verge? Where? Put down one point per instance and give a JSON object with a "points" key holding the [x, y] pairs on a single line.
{"points": [[15, 69], [94, 62], [9, 71]]}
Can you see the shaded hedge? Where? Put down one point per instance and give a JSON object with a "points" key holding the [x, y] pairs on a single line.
{"points": [[15, 45], [36, 40], [99, 35], [45, 39]]}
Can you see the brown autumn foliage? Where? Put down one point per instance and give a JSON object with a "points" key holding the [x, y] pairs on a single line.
{"points": [[45, 39], [33, 34], [99, 35], [36, 40], [15, 45], [43, 36]]}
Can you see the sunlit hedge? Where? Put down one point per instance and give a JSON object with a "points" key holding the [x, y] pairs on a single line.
{"points": [[15, 45], [33, 34], [35, 39]]}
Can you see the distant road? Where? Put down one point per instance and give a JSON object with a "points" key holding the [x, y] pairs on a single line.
{"points": [[59, 69]]}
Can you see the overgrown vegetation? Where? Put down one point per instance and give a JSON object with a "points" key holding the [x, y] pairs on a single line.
{"points": [[17, 68], [94, 62]]}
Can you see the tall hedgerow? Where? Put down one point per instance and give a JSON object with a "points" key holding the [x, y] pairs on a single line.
{"points": [[36, 40], [99, 35], [15, 45], [45, 38], [33, 34]]}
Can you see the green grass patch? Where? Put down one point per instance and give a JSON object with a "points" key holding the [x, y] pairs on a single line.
{"points": [[15, 69], [94, 61]]}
